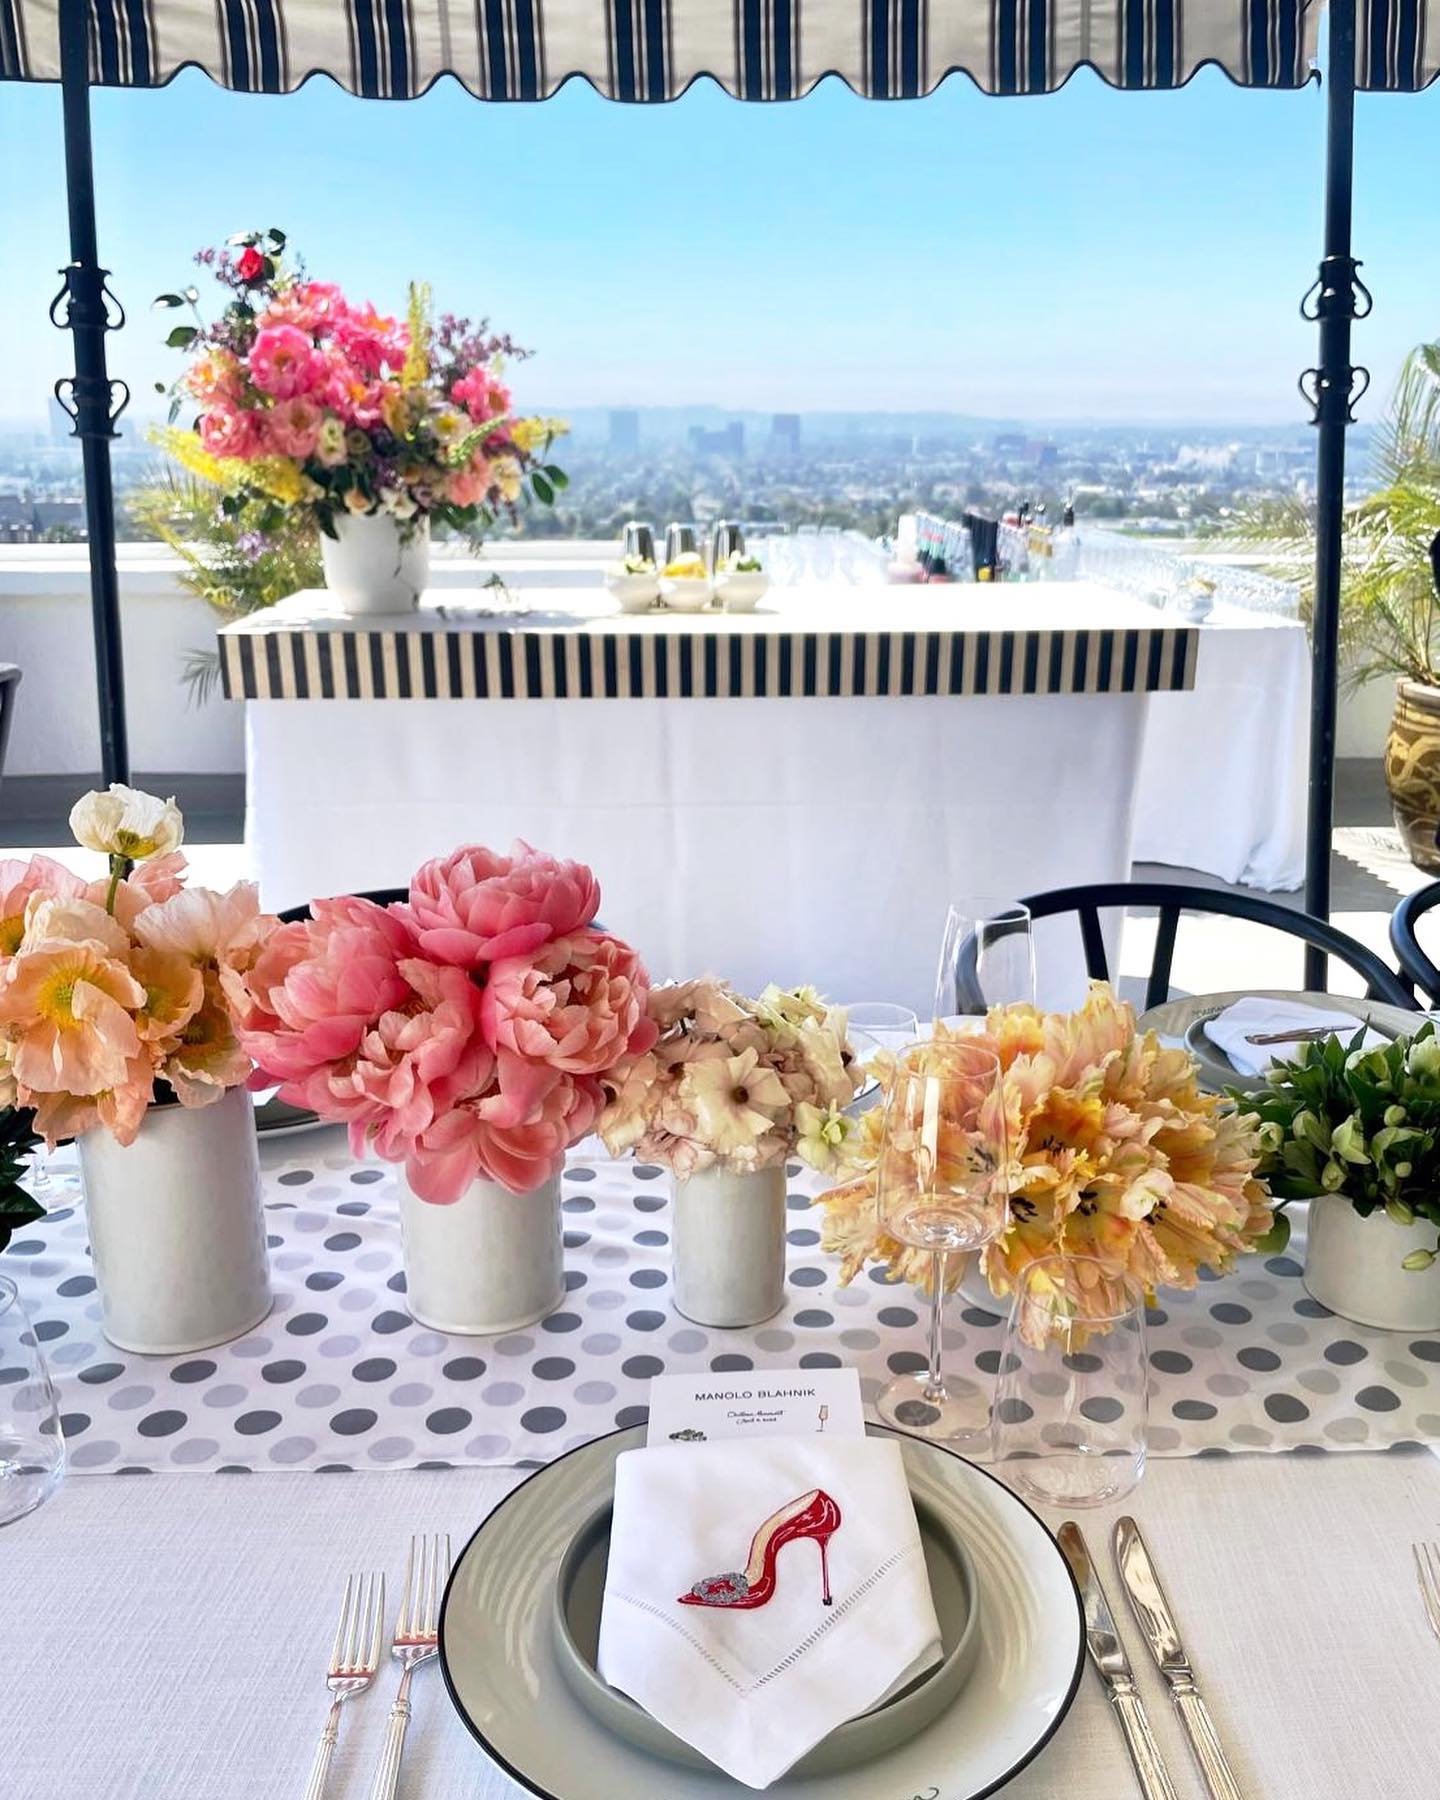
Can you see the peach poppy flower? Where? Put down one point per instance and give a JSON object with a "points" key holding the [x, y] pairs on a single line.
{"points": [[66, 1009]]}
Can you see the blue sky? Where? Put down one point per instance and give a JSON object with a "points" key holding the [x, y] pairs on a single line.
{"points": [[1083, 255]]}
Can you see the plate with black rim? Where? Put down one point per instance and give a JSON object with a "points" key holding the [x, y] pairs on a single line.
{"points": [[498, 1659], [1186, 1019]]}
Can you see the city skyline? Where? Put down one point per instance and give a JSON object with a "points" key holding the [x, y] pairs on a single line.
{"points": [[1087, 256]]}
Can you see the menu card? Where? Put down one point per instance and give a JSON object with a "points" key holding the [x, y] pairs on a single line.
{"points": [[750, 1403]]}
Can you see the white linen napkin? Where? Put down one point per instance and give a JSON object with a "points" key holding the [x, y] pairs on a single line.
{"points": [[1256, 1016], [754, 1688]]}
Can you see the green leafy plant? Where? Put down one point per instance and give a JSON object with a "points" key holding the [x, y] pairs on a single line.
{"points": [[1390, 610], [1365, 1124], [17, 1140]]}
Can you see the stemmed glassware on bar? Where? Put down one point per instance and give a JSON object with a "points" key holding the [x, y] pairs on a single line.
{"points": [[942, 1187]]}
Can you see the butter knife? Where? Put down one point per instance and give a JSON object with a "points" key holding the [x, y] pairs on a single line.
{"points": [[1113, 1665], [1157, 1622]]}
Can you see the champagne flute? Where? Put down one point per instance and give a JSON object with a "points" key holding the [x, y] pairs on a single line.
{"points": [[987, 958], [942, 1186]]}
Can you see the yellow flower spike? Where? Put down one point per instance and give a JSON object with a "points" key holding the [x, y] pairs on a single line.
{"points": [[416, 371]]}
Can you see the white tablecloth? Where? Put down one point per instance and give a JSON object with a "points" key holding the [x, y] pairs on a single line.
{"points": [[166, 1635], [1224, 772]]}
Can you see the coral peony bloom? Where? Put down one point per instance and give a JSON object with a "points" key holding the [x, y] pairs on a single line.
{"points": [[228, 432], [468, 1143], [18, 881], [66, 1010], [125, 821], [469, 486], [474, 906], [482, 396], [577, 1003], [292, 427], [284, 362]]}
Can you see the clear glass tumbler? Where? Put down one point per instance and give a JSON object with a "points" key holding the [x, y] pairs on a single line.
{"points": [[32, 1450], [987, 958], [1071, 1399]]}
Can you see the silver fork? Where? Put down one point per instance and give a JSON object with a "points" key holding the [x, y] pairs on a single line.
{"points": [[353, 1663], [1427, 1569], [417, 1640]]}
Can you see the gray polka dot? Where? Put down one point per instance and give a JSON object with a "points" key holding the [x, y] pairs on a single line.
{"points": [[1229, 1387], [605, 1300], [164, 1423], [1253, 1437], [1286, 1409], [503, 1393], [1046, 1383], [76, 1285], [339, 1345], [593, 1393], [374, 1368], [353, 1421], [201, 1369], [601, 1343], [1377, 1399], [803, 1278], [463, 1368], [802, 1237], [388, 1322], [1427, 1349], [813, 1319], [323, 1280], [1229, 1312], [1196, 1410], [488, 1448], [411, 1393], [227, 1393], [900, 1317], [447, 1420], [99, 1373], [652, 1240], [434, 1343], [1171, 1362], [94, 1453], [389, 1450], [255, 1424], [859, 1339], [1405, 1375], [631, 1415], [1347, 1431], [644, 1320], [1312, 1309], [129, 1399], [730, 1361], [1102, 1409], [305, 1324], [1253, 1356], [772, 1340], [321, 1393], [1345, 1352], [1286, 1331], [255, 1347], [287, 1370], [542, 1419], [291, 1450], [1318, 1381], [1202, 1337], [194, 1450], [642, 1368], [905, 1362]]}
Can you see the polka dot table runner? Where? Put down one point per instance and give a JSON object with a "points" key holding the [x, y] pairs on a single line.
{"points": [[340, 1376]]}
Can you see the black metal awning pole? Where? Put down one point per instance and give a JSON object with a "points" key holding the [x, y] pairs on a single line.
{"points": [[1332, 302], [83, 308]]}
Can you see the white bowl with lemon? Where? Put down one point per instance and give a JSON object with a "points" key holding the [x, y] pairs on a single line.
{"points": [[740, 582], [634, 583], [684, 585]]}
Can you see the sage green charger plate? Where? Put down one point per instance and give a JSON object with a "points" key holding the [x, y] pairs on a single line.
{"points": [[575, 1620], [1186, 1019], [500, 1665]]}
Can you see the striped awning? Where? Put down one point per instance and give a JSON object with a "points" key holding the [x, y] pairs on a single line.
{"points": [[651, 50], [1397, 49]]}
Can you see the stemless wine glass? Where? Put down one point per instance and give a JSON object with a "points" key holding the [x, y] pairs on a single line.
{"points": [[1071, 1402], [942, 1185], [32, 1450], [987, 958]]}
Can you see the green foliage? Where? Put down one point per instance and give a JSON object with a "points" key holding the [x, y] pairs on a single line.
{"points": [[17, 1140], [1390, 611], [239, 555], [1340, 1119]]}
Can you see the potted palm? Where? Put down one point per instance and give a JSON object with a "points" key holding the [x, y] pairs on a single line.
{"points": [[1390, 596]]}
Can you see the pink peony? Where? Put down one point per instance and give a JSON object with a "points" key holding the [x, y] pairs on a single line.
{"points": [[292, 427], [372, 343], [316, 989], [483, 1137], [18, 881], [226, 431], [473, 906], [284, 362], [469, 486], [482, 396], [577, 1003]]}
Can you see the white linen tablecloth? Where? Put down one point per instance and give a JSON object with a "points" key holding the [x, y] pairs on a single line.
{"points": [[166, 1636]]}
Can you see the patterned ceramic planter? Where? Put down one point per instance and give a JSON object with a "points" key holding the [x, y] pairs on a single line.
{"points": [[373, 565], [1412, 770], [492, 1262], [177, 1233], [1354, 1266], [727, 1236]]}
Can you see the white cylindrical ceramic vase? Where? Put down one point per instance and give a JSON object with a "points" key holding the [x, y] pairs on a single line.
{"points": [[727, 1238], [374, 564], [1355, 1266], [489, 1263], [177, 1230]]}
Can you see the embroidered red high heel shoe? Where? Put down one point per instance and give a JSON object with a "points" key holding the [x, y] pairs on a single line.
{"points": [[813, 1515]]}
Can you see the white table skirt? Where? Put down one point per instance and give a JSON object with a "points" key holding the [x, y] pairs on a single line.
{"points": [[1224, 773], [768, 840], [167, 1635]]}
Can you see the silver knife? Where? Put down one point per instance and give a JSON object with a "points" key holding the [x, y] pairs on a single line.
{"points": [[1108, 1655], [1157, 1622]]}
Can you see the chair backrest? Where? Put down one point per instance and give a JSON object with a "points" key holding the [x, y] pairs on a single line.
{"points": [[381, 896], [1173, 898], [1415, 964], [9, 683]]}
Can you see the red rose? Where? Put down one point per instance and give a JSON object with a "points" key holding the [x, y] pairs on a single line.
{"points": [[251, 265]]}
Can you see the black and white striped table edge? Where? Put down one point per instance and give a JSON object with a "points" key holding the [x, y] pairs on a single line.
{"points": [[372, 664]]}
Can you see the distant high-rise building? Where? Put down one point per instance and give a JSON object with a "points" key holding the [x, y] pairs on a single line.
{"points": [[624, 429], [729, 440], [785, 433]]}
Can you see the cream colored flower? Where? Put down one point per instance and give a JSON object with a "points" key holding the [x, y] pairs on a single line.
{"points": [[735, 1101], [506, 473], [822, 1136], [50, 921], [123, 821]]}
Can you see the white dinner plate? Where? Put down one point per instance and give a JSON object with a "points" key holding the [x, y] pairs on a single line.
{"points": [[499, 1665], [1186, 1019]]}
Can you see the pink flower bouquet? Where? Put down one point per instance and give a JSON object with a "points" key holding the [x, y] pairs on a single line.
{"points": [[305, 400], [113, 991], [744, 1083], [476, 1031]]}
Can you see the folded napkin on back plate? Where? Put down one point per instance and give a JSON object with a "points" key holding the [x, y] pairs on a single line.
{"points": [[1258, 1017], [760, 1595]]}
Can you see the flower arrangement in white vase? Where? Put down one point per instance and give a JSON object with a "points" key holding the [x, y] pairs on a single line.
{"points": [[731, 1088], [1356, 1132], [117, 1029]]}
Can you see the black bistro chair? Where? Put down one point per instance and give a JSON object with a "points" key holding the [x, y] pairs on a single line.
{"points": [[1173, 898], [293, 915], [1405, 942]]}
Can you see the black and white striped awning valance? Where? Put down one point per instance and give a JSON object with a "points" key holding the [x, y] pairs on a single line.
{"points": [[650, 50], [1397, 49]]}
